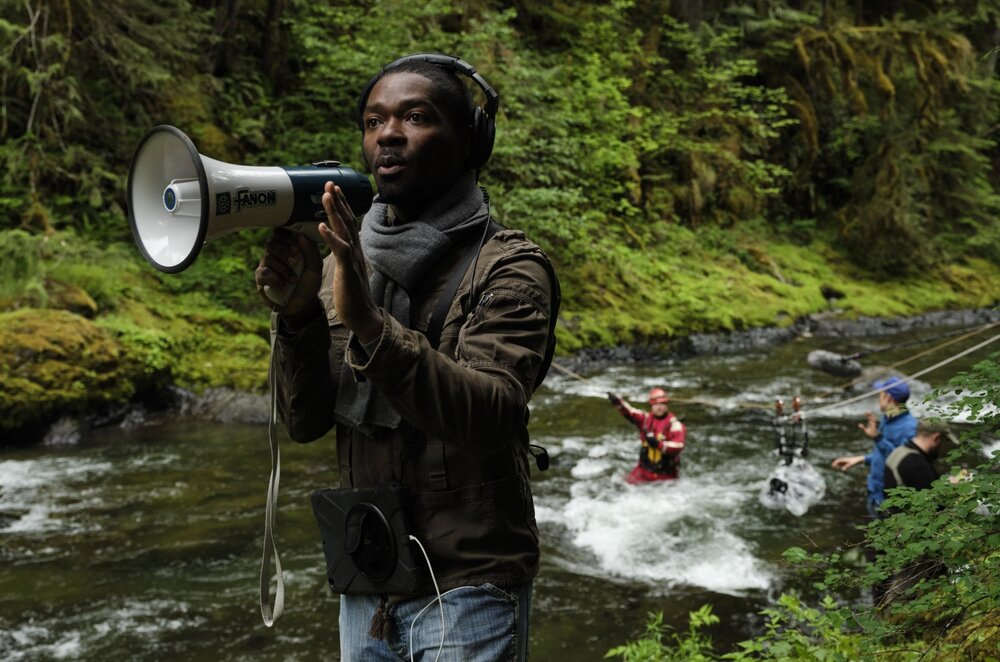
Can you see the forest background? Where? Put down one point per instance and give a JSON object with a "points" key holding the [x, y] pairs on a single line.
{"points": [[690, 166]]}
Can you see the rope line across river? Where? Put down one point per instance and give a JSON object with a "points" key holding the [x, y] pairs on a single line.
{"points": [[836, 405]]}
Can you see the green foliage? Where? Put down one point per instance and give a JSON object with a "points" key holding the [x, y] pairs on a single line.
{"points": [[709, 158], [35, 269], [152, 348], [80, 83], [944, 539], [896, 117], [19, 270], [624, 126], [795, 631], [691, 646], [169, 329], [225, 269], [690, 167]]}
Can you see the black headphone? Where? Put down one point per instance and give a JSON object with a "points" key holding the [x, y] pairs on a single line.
{"points": [[484, 127]]}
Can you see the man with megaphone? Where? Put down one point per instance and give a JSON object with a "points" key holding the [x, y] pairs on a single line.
{"points": [[420, 339]]}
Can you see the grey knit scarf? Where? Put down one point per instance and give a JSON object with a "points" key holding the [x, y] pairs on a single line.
{"points": [[400, 255]]}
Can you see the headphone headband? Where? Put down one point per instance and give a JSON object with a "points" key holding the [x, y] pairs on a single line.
{"points": [[484, 117], [448, 62]]}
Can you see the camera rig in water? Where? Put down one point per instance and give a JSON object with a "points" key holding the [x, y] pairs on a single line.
{"points": [[791, 437], [794, 484]]}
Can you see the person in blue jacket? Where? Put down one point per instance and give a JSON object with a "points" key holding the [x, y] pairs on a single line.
{"points": [[895, 428]]}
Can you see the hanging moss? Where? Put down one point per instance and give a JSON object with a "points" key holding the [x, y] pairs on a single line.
{"points": [[802, 52], [808, 124], [882, 81], [909, 173]]}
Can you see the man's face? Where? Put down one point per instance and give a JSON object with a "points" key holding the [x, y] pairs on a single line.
{"points": [[659, 409], [885, 401], [412, 145]]}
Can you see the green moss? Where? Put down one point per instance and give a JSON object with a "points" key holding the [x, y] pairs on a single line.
{"points": [[152, 330], [199, 344], [67, 296], [715, 282], [54, 362]]}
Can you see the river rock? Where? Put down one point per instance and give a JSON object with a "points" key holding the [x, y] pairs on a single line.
{"points": [[833, 363], [225, 405]]}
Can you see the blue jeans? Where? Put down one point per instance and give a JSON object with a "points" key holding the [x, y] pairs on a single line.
{"points": [[482, 624]]}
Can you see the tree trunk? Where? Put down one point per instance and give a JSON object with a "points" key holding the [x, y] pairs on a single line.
{"points": [[226, 21], [271, 29], [690, 12]]}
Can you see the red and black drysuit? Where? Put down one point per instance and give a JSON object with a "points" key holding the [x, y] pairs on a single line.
{"points": [[662, 443]]}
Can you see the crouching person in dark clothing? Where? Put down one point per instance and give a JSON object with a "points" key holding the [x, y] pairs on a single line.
{"points": [[912, 465]]}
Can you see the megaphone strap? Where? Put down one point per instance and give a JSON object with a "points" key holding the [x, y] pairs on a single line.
{"points": [[268, 613]]}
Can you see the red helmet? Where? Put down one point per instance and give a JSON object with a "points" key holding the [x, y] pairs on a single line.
{"points": [[658, 395]]}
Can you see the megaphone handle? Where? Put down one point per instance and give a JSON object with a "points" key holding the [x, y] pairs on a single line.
{"points": [[280, 296]]}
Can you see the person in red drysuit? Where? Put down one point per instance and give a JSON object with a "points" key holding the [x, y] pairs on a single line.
{"points": [[662, 436]]}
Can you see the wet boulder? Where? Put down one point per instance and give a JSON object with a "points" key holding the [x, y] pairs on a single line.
{"points": [[833, 363]]}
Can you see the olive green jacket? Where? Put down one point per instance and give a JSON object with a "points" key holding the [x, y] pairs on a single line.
{"points": [[464, 460]]}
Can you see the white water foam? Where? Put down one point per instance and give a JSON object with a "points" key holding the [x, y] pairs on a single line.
{"points": [[32, 642], [37, 493], [59, 639], [672, 533]]}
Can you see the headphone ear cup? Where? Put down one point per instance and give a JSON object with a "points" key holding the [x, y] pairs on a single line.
{"points": [[483, 134]]}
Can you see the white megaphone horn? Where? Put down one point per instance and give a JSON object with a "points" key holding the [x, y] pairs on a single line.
{"points": [[179, 199]]}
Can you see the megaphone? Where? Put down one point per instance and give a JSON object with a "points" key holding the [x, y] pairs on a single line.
{"points": [[179, 199]]}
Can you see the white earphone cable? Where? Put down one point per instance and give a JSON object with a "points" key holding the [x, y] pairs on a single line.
{"points": [[440, 603]]}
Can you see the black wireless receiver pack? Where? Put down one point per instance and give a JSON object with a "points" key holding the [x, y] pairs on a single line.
{"points": [[365, 540]]}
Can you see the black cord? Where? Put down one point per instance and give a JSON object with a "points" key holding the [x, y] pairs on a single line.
{"points": [[482, 240]]}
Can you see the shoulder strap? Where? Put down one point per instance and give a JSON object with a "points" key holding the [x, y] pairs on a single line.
{"points": [[896, 458], [435, 449], [448, 293]]}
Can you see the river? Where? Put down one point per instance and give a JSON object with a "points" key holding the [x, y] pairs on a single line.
{"points": [[144, 542]]}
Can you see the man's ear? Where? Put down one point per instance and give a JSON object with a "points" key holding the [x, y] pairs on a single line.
{"points": [[938, 439]]}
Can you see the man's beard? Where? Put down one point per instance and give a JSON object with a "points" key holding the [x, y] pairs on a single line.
{"points": [[392, 190]]}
